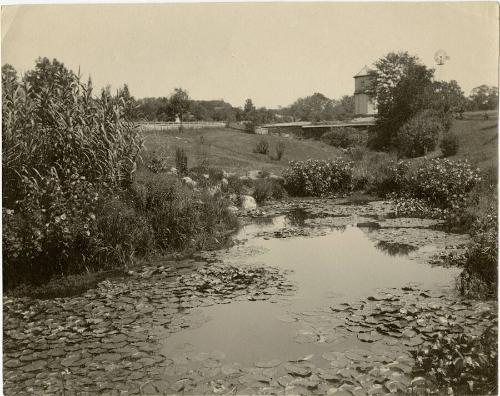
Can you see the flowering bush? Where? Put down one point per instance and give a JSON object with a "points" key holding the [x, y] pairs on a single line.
{"points": [[438, 184], [318, 177]]}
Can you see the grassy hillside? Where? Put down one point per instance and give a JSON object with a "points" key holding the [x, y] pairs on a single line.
{"points": [[478, 140], [232, 150]]}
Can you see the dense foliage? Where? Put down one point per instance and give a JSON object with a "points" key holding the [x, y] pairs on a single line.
{"points": [[64, 150], [318, 178], [419, 135]]}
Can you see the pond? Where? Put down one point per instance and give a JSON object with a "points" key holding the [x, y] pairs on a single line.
{"points": [[319, 301], [342, 266]]}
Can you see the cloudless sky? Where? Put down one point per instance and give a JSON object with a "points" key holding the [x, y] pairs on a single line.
{"points": [[270, 52]]}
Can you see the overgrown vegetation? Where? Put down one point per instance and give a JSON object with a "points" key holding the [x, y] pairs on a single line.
{"points": [[68, 173]]}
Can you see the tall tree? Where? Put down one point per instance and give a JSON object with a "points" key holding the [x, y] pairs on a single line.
{"points": [[484, 97], [399, 82], [249, 107], [179, 102]]}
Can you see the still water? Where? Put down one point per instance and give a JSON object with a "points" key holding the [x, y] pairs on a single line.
{"points": [[342, 266]]}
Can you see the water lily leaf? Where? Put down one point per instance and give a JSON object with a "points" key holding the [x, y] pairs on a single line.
{"points": [[267, 364]]}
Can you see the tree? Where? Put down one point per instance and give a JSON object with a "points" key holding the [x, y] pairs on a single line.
{"points": [[399, 83], [249, 107], [484, 97], [345, 108], [316, 107], [179, 102]]}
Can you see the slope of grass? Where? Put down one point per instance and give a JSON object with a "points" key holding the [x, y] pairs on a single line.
{"points": [[232, 150], [478, 141]]}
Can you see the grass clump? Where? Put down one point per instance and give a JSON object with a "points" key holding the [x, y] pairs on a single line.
{"points": [[268, 189], [261, 147]]}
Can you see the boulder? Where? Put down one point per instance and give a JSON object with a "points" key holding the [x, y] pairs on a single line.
{"points": [[173, 170], [248, 202], [188, 181], [254, 174], [232, 209]]}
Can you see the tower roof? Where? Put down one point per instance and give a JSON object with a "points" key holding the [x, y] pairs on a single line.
{"points": [[365, 71]]}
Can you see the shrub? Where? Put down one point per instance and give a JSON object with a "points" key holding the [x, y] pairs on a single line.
{"points": [[64, 151], [449, 144], [262, 146], [181, 161], [318, 177], [419, 135], [267, 189], [279, 150]]}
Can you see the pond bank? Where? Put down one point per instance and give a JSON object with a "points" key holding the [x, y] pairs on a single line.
{"points": [[314, 298]]}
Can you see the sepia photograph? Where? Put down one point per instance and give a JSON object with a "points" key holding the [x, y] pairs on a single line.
{"points": [[250, 198]]}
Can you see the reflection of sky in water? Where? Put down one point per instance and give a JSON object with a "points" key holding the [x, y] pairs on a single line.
{"points": [[335, 268]]}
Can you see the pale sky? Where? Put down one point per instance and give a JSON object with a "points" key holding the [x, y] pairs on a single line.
{"points": [[270, 52]]}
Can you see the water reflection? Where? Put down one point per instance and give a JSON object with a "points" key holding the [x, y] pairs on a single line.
{"points": [[395, 248], [341, 266]]}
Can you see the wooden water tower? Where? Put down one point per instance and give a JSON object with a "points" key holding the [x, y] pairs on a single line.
{"points": [[363, 104]]}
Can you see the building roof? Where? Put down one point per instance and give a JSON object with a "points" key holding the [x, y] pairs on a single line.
{"points": [[365, 71]]}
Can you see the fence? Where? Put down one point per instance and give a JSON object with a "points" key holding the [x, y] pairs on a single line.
{"points": [[171, 126]]}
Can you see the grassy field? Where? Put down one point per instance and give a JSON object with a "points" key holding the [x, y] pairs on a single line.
{"points": [[232, 150]]}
